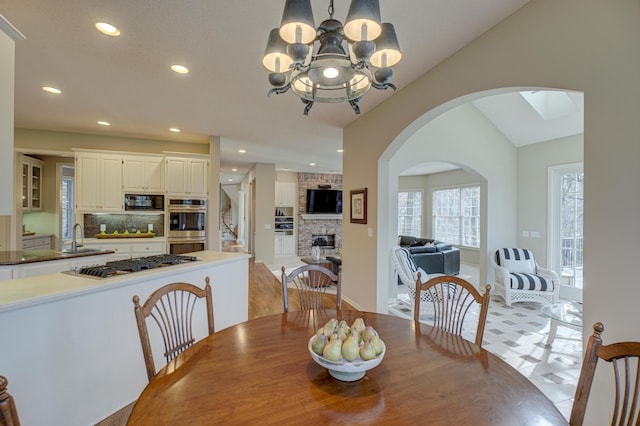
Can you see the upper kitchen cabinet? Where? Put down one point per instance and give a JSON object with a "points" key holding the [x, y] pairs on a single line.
{"points": [[143, 174], [187, 176], [285, 193], [31, 184], [99, 182]]}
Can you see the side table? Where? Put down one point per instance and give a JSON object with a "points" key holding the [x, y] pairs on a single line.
{"points": [[568, 314]]}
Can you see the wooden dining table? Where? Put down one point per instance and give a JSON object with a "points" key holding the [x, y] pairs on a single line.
{"points": [[261, 372]]}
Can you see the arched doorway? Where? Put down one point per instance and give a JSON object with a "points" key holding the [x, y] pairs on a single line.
{"points": [[457, 133]]}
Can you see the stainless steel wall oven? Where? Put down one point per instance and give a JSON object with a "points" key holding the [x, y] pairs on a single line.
{"points": [[187, 225]]}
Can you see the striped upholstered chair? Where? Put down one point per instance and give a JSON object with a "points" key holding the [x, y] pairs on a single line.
{"points": [[519, 278]]}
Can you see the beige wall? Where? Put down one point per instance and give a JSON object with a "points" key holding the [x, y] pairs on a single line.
{"points": [[586, 45], [7, 73], [265, 199]]}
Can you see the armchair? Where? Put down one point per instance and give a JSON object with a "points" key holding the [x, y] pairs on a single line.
{"points": [[519, 278]]}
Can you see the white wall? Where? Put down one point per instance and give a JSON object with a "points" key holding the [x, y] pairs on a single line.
{"points": [[533, 163], [585, 45]]}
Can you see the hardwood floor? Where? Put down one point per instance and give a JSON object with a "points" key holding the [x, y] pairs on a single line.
{"points": [[265, 298]]}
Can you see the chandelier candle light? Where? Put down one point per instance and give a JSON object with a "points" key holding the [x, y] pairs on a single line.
{"points": [[331, 74]]}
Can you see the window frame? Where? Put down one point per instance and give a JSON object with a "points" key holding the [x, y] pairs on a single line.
{"points": [[461, 218], [420, 216]]}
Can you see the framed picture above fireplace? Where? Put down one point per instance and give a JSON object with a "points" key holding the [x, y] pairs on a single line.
{"points": [[359, 205]]}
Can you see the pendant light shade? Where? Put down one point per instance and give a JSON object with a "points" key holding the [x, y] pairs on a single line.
{"points": [[387, 52], [363, 20], [275, 55], [297, 25]]}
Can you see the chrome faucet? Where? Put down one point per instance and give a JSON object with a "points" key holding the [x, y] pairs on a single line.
{"points": [[74, 243]]}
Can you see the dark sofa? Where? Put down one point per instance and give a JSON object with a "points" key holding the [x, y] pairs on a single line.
{"points": [[431, 255]]}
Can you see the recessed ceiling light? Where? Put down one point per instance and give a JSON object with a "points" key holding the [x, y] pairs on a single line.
{"points": [[174, 130], [312, 164], [104, 123], [340, 150], [180, 69], [51, 90], [234, 170], [107, 29], [242, 151], [229, 180]]}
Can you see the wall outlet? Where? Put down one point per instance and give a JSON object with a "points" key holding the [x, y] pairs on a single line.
{"points": [[150, 227], [535, 234], [525, 233], [103, 227], [267, 226]]}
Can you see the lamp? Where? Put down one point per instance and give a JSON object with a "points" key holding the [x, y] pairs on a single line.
{"points": [[331, 74]]}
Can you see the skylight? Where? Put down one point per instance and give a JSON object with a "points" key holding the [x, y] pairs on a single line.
{"points": [[550, 104]]}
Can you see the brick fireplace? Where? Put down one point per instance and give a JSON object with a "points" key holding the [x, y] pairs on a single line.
{"points": [[310, 227]]}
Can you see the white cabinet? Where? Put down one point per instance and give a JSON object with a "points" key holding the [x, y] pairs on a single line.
{"points": [[98, 182], [37, 242], [143, 174], [285, 194], [285, 245], [31, 184], [187, 176], [127, 250]]}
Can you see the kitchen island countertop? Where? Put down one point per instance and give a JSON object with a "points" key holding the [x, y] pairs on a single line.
{"points": [[20, 257]]}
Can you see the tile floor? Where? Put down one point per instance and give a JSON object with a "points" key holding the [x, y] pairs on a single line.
{"points": [[518, 334]]}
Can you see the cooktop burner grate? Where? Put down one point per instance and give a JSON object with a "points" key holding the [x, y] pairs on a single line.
{"points": [[134, 265]]}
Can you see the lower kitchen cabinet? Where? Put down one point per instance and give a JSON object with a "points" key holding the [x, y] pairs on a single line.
{"points": [[37, 242], [127, 250]]}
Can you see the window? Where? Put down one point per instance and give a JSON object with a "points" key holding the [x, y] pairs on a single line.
{"points": [[566, 201], [456, 215], [410, 213], [67, 203]]}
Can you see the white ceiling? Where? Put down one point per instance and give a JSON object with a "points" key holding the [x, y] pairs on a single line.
{"points": [[126, 80]]}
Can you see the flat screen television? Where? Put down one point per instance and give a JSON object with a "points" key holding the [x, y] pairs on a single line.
{"points": [[324, 201]]}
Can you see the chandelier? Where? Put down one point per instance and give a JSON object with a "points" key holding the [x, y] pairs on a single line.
{"points": [[331, 74]]}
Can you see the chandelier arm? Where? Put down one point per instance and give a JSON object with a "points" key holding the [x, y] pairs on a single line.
{"points": [[308, 107], [382, 86], [279, 90], [354, 105]]}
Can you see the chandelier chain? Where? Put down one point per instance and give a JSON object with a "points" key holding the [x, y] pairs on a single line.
{"points": [[330, 10]]}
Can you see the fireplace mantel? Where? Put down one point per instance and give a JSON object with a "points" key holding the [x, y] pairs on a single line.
{"points": [[321, 216]]}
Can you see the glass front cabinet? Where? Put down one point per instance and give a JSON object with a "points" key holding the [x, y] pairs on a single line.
{"points": [[31, 184]]}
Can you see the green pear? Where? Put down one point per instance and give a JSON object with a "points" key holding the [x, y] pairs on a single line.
{"points": [[333, 351], [342, 334], [368, 333], [318, 343], [367, 351], [330, 327], [377, 344], [358, 325], [343, 324], [350, 348]]}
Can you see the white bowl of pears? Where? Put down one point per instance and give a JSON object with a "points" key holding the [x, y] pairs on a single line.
{"points": [[347, 351]]}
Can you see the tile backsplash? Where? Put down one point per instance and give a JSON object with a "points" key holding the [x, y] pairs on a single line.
{"points": [[123, 222]]}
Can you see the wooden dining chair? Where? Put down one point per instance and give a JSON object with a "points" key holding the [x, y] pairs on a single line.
{"points": [[8, 412], [625, 359], [451, 298], [171, 307], [311, 283]]}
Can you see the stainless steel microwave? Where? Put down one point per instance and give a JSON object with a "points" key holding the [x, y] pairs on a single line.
{"points": [[143, 202]]}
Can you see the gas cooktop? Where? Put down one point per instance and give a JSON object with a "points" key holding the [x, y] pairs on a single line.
{"points": [[119, 267]]}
